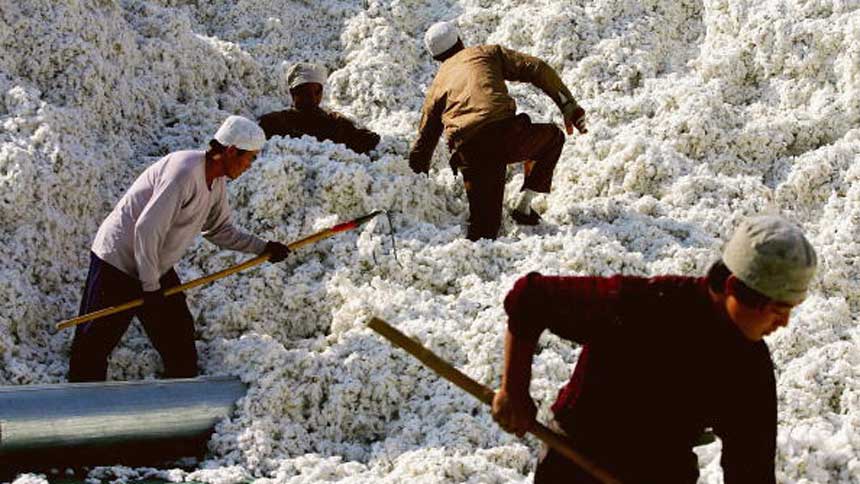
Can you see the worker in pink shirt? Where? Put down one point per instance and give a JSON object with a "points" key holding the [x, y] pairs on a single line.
{"points": [[177, 198]]}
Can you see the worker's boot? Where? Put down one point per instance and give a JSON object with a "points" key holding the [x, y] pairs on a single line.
{"points": [[521, 218], [524, 214]]}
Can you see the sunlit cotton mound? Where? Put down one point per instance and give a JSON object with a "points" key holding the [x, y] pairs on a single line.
{"points": [[699, 113]]}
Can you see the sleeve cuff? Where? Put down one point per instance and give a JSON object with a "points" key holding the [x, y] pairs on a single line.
{"points": [[259, 246], [150, 286]]}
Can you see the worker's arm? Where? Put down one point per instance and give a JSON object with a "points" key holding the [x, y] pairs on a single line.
{"points": [[273, 124], [513, 407], [575, 308], [520, 67], [357, 139], [429, 131], [219, 230]]}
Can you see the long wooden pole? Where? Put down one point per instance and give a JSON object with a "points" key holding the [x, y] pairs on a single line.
{"points": [[486, 395], [324, 234]]}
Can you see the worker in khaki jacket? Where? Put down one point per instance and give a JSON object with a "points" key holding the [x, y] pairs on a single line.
{"points": [[306, 117], [469, 101]]}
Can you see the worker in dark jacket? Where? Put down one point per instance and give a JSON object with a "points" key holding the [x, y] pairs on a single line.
{"points": [[663, 358], [469, 101], [306, 83]]}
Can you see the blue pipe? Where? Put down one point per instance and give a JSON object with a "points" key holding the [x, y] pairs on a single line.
{"points": [[67, 416]]}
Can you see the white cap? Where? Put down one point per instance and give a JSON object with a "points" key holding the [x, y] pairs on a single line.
{"points": [[305, 72], [241, 133], [440, 37]]}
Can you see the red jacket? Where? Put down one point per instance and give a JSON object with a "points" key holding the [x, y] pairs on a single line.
{"points": [[658, 366]]}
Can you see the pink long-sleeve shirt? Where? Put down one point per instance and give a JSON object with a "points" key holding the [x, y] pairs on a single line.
{"points": [[159, 217]]}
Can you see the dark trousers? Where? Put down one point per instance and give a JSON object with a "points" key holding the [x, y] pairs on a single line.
{"points": [[484, 159], [554, 468], [629, 465], [170, 328]]}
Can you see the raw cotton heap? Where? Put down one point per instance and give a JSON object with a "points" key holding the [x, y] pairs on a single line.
{"points": [[699, 114]]}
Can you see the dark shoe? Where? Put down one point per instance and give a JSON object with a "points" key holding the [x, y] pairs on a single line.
{"points": [[531, 218]]}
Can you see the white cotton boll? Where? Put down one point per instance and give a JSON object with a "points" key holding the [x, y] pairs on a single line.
{"points": [[837, 245], [30, 479], [818, 432], [446, 465], [375, 76], [819, 175], [710, 471], [312, 468], [123, 474], [815, 323], [229, 475], [551, 371], [21, 102], [362, 383]]}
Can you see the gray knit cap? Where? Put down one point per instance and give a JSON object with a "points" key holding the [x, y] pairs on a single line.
{"points": [[304, 72], [771, 255]]}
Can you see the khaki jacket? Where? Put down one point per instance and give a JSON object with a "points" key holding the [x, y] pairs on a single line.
{"points": [[469, 92]]}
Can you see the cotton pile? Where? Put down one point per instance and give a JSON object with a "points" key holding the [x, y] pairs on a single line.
{"points": [[699, 113]]}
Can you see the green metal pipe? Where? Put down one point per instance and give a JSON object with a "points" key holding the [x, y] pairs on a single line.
{"points": [[62, 419]]}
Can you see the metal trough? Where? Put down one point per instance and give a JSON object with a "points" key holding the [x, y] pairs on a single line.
{"points": [[86, 421]]}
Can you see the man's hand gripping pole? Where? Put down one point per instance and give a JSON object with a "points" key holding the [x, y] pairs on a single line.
{"points": [[323, 234], [484, 394]]}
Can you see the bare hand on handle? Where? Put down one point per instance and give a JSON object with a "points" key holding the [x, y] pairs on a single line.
{"points": [[574, 116]]}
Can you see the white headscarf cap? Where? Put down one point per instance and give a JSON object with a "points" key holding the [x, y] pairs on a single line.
{"points": [[241, 133], [440, 37]]}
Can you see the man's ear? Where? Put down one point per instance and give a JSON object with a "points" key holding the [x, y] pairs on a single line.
{"points": [[230, 151], [729, 285]]}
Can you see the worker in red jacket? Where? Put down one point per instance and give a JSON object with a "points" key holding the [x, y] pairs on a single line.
{"points": [[663, 358]]}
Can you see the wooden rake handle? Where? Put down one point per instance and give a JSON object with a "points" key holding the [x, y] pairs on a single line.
{"points": [[486, 395], [324, 234]]}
